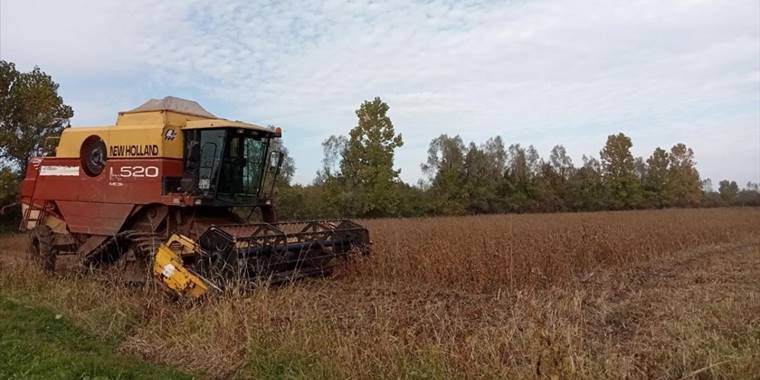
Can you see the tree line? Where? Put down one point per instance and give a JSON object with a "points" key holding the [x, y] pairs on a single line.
{"points": [[358, 178]]}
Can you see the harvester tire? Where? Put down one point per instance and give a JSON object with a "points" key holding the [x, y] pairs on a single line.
{"points": [[134, 262], [41, 249], [269, 214]]}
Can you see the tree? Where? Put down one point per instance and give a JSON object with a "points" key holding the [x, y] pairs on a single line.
{"points": [[549, 189], [494, 150], [552, 181], [367, 165], [334, 148], [728, 190], [519, 187], [561, 162], [656, 177], [707, 185], [288, 165], [288, 200], [8, 196], [331, 185], [481, 178], [414, 201], [618, 172], [533, 160], [445, 171], [640, 168], [587, 191], [31, 111], [682, 187], [748, 197]]}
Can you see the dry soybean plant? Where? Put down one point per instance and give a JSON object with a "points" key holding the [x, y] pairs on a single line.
{"points": [[453, 297]]}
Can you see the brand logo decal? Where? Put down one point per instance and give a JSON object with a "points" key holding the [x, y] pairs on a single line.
{"points": [[170, 135], [134, 172], [133, 150]]}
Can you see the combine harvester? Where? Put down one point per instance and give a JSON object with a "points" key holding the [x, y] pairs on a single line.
{"points": [[158, 195]]}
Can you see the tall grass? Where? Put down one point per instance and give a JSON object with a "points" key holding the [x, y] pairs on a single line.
{"points": [[468, 297]]}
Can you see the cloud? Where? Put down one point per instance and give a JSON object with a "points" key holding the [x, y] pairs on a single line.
{"points": [[536, 72]]}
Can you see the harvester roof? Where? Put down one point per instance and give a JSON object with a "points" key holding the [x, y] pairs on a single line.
{"points": [[184, 113], [172, 103]]}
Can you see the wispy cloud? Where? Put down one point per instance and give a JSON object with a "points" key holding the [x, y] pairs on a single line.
{"points": [[534, 72]]}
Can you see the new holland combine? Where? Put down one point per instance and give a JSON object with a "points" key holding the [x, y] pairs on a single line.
{"points": [[160, 194]]}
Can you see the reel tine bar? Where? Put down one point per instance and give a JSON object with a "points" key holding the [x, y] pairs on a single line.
{"points": [[273, 249]]}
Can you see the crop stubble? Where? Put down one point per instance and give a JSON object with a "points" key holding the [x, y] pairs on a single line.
{"points": [[605, 294]]}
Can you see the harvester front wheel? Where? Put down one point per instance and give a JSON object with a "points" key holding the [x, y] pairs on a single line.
{"points": [[134, 263], [41, 249], [269, 214]]}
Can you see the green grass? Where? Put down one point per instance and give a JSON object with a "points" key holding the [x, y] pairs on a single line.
{"points": [[35, 343], [273, 364]]}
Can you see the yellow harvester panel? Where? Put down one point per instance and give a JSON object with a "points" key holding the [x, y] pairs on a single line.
{"points": [[126, 141], [151, 130]]}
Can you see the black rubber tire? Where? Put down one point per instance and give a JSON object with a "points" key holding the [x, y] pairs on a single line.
{"points": [[268, 214], [41, 249], [135, 270]]}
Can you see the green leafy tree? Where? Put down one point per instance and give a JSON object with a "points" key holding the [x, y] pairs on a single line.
{"points": [[523, 165], [549, 189], [288, 165], [587, 192], [496, 153], [561, 162], [333, 148], [367, 165], [748, 197], [640, 168], [710, 197], [283, 189], [553, 181], [618, 172], [445, 171], [9, 212], [413, 201], [682, 187], [656, 177], [728, 190], [533, 159], [481, 176], [329, 187], [31, 111]]}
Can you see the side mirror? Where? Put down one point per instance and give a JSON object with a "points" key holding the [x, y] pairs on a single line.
{"points": [[275, 160]]}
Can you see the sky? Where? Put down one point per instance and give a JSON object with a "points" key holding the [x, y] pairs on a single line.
{"points": [[533, 72]]}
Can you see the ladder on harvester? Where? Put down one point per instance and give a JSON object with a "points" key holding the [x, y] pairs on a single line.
{"points": [[30, 216]]}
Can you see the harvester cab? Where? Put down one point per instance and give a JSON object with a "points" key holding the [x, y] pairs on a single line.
{"points": [[124, 196], [229, 166]]}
